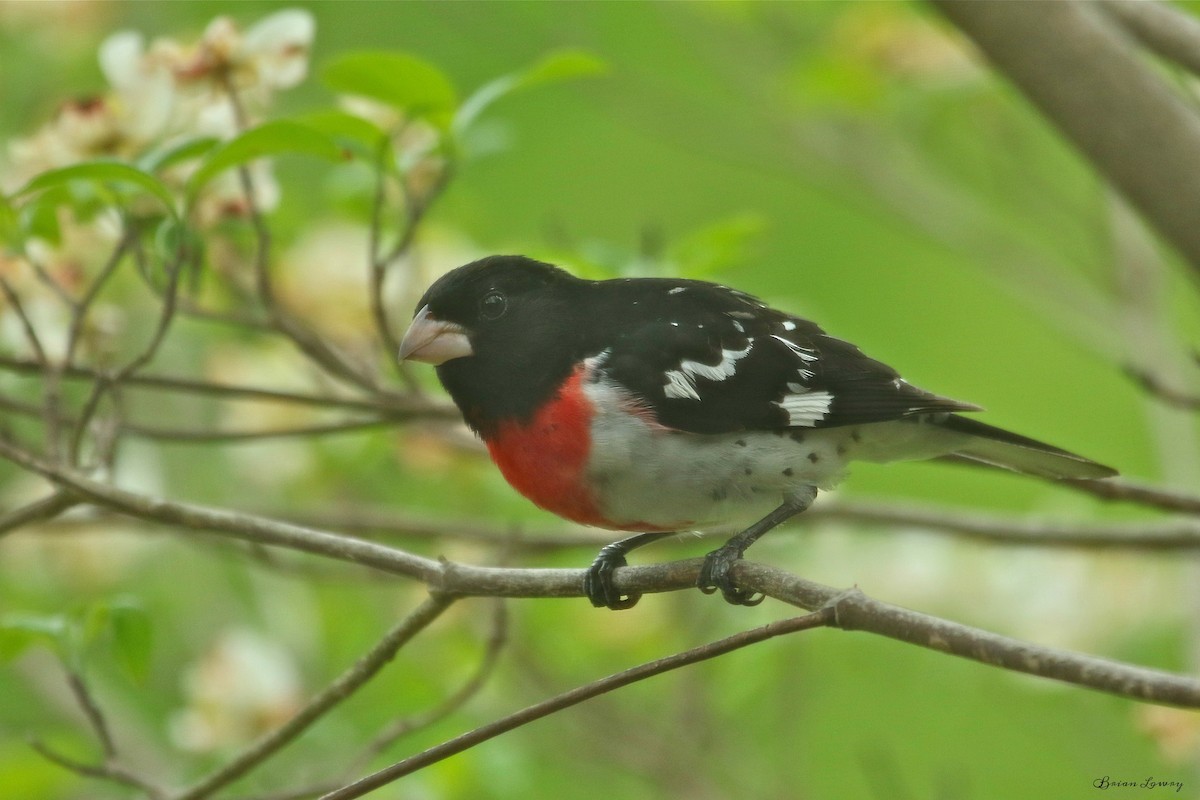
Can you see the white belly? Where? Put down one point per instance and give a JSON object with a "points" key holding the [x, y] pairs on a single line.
{"points": [[646, 474]]}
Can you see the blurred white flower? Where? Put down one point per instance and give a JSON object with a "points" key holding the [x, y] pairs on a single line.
{"points": [[81, 129], [244, 685], [143, 87], [270, 55], [167, 92]]}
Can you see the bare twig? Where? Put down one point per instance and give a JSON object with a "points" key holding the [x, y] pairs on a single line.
{"points": [[576, 696], [855, 611], [114, 773], [460, 580], [379, 402], [79, 310], [184, 436], [1163, 391], [1073, 63], [1139, 493], [476, 681], [27, 327], [312, 345], [46, 508], [1162, 28], [1150, 535], [341, 688], [379, 266], [91, 710]]}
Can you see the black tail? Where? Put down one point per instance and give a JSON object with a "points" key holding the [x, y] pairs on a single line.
{"points": [[996, 447]]}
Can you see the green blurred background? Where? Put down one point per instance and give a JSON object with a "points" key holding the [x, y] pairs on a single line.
{"points": [[851, 162]]}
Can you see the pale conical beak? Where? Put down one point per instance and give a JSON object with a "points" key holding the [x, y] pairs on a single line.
{"points": [[433, 341]]}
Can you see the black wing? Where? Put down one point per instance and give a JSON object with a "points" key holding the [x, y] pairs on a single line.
{"points": [[708, 359]]}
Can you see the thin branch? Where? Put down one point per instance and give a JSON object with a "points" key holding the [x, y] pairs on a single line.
{"points": [[1163, 391], [1139, 493], [402, 727], [184, 436], [114, 773], [343, 687], [380, 266], [31, 335], [39, 510], [576, 696], [1076, 66], [376, 402], [486, 666], [95, 717], [80, 309], [1171, 535], [857, 612], [309, 343], [460, 580], [1167, 535], [1162, 28]]}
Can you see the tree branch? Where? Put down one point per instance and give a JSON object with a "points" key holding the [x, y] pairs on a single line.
{"points": [[460, 580], [576, 696], [1162, 28], [378, 402], [1073, 64], [344, 686]]}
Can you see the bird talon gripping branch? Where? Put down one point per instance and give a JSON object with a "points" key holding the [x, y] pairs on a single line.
{"points": [[662, 405]]}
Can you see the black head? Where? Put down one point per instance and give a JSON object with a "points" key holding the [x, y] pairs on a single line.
{"points": [[500, 332]]}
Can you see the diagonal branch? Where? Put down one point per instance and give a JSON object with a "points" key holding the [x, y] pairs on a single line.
{"points": [[1160, 27], [576, 696], [1073, 62], [345, 685]]}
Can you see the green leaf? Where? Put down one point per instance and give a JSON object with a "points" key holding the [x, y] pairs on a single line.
{"points": [[10, 227], [269, 139], [356, 134], [103, 173], [39, 217], [20, 631], [398, 79], [160, 160], [558, 66], [132, 637], [562, 65]]}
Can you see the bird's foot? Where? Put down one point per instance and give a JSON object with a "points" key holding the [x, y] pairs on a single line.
{"points": [[715, 574], [598, 583]]}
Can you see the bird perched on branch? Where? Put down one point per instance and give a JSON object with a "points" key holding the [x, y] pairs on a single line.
{"points": [[663, 405]]}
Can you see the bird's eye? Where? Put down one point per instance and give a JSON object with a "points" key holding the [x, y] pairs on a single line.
{"points": [[493, 306]]}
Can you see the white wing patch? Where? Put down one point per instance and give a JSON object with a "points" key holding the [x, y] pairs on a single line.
{"points": [[803, 353], [677, 290], [681, 383], [680, 386], [806, 409]]}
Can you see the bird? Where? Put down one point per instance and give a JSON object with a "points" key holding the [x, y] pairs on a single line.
{"points": [[664, 405]]}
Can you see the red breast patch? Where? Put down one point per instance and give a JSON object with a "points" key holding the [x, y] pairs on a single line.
{"points": [[546, 458]]}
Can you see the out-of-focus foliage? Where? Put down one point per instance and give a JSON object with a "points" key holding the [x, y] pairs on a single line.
{"points": [[851, 162]]}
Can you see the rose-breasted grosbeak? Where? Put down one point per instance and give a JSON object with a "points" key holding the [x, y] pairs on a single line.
{"points": [[660, 405]]}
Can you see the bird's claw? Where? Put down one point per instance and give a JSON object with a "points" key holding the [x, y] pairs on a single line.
{"points": [[598, 583], [715, 574]]}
